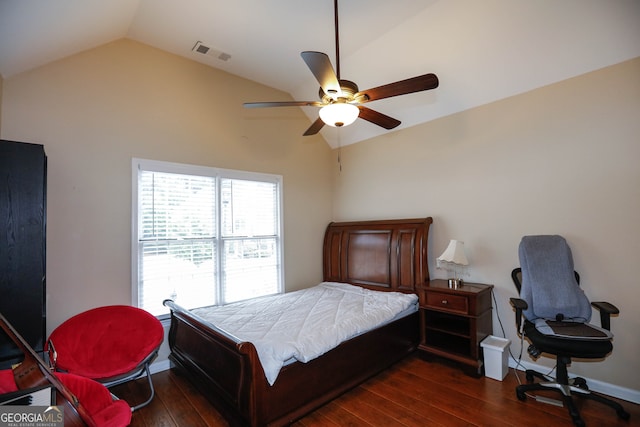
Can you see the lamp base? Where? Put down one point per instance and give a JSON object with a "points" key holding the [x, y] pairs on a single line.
{"points": [[455, 283]]}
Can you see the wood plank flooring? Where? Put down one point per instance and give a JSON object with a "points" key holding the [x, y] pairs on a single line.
{"points": [[414, 392]]}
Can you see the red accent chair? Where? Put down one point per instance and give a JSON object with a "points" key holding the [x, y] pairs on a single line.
{"points": [[98, 401], [101, 410], [111, 345]]}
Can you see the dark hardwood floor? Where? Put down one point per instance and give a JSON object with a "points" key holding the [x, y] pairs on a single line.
{"points": [[414, 392]]}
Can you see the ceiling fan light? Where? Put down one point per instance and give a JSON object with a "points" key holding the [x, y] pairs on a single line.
{"points": [[339, 114]]}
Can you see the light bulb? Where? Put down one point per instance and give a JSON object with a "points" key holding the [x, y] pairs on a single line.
{"points": [[339, 114]]}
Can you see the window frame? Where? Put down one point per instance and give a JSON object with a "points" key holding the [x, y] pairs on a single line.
{"points": [[138, 164]]}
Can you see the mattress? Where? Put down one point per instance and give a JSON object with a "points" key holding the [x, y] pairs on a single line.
{"points": [[302, 325]]}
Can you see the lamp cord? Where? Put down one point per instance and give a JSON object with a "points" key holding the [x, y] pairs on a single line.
{"points": [[518, 360]]}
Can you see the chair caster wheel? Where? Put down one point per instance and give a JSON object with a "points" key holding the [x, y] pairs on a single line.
{"points": [[578, 422], [521, 396], [529, 377], [622, 414], [580, 383]]}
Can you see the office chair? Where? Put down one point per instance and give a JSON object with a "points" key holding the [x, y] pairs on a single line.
{"points": [[556, 313]]}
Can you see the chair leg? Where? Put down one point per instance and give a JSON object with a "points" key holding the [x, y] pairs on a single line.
{"points": [[573, 411], [152, 391], [563, 386], [563, 390], [143, 371], [615, 405]]}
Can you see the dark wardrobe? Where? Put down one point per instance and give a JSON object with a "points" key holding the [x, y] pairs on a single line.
{"points": [[23, 179]]}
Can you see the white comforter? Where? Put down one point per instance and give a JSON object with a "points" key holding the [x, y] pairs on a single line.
{"points": [[305, 324]]}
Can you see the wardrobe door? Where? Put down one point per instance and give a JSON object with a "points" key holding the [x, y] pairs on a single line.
{"points": [[22, 244]]}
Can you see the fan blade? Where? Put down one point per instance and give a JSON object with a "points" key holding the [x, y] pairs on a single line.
{"points": [[320, 65], [283, 104], [402, 87], [377, 118], [315, 127]]}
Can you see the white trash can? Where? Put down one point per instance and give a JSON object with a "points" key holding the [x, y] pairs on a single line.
{"points": [[496, 357]]}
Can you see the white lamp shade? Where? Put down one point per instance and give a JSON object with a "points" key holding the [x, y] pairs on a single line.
{"points": [[454, 253], [339, 114]]}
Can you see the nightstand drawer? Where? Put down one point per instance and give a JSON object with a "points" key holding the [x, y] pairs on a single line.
{"points": [[448, 302]]}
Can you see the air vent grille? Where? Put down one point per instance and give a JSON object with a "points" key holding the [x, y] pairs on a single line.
{"points": [[202, 49]]}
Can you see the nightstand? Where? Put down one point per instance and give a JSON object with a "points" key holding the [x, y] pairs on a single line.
{"points": [[454, 321]]}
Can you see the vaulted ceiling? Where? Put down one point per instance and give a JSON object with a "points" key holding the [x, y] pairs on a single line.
{"points": [[482, 51]]}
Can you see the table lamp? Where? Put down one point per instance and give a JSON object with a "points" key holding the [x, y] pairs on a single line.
{"points": [[455, 258]]}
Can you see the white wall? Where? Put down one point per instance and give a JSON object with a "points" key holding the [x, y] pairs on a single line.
{"points": [[96, 110], [562, 159]]}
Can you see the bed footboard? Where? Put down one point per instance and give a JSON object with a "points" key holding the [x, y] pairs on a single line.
{"points": [[224, 368], [231, 376]]}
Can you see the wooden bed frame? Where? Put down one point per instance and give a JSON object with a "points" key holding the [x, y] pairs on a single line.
{"points": [[386, 255]]}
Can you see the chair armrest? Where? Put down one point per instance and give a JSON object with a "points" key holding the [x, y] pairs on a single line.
{"points": [[520, 305], [606, 310]]}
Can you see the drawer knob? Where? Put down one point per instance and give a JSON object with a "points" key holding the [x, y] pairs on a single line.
{"points": [[445, 302]]}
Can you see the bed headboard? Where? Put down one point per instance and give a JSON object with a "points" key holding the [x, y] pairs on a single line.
{"points": [[383, 255]]}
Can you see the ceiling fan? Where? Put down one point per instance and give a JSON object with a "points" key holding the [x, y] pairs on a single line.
{"points": [[340, 100]]}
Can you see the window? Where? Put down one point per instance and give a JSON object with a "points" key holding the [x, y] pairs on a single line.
{"points": [[204, 236]]}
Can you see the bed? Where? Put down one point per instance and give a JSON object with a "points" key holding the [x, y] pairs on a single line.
{"points": [[383, 255]]}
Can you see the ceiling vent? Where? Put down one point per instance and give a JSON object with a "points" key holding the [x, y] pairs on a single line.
{"points": [[203, 49]]}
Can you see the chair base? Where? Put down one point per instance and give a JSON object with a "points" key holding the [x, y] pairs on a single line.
{"points": [[569, 388], [144, 371]]}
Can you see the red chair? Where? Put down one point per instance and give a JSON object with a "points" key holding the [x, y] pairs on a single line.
{"points": [[84, 398], [99, 407], [98, 402], [111, 345]]}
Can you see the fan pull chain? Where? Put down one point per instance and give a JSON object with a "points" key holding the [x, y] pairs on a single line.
{"points": [[339, 152]]}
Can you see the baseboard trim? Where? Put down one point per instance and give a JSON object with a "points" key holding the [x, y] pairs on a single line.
{"points": [[624, 393], [159, 366]]}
